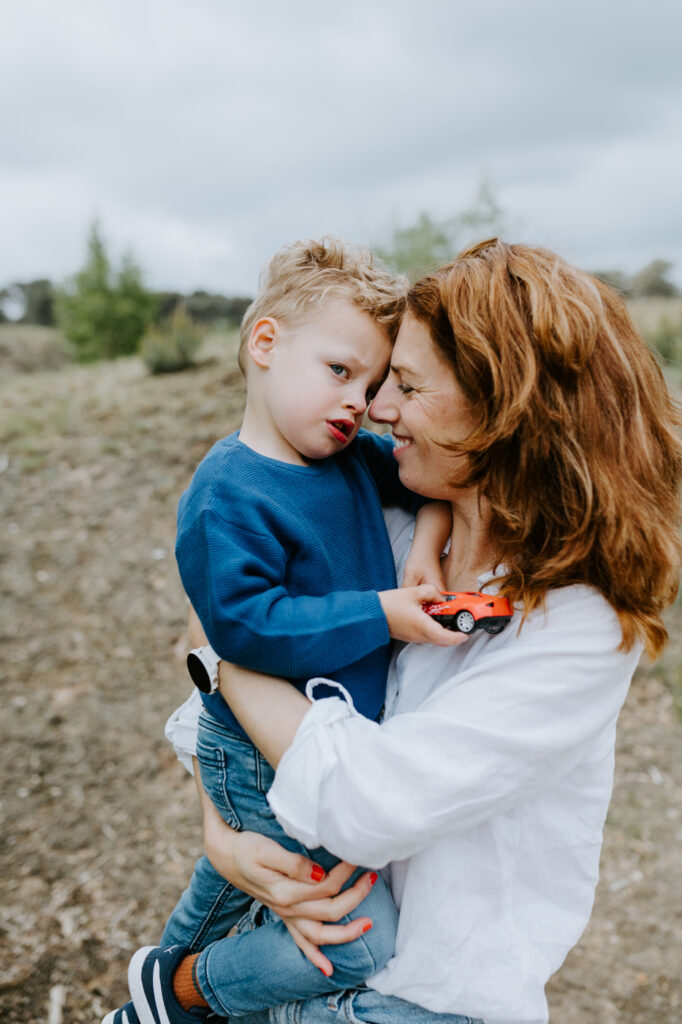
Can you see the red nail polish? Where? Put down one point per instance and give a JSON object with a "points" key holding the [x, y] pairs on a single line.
{"points": [[317, 873], [327, 975], [367, 927], [373, 877]]}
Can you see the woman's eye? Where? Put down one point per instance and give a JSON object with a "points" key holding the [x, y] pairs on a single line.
{"points": [[405, 389], [338, 370]]}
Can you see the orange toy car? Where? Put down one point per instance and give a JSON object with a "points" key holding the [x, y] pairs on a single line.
{"points": [[466, 611]]}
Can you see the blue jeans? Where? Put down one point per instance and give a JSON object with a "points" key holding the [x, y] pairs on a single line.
{"points": [[357, 1006], [349, 1006], [261, 966]]}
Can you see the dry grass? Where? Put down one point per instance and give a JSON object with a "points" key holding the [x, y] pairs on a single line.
{"points": [[648, 313], [25, 348]]}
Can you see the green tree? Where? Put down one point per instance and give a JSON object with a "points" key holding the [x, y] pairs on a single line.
{"points": [[652, 280], [39, 297], [104, 312], [428, 243]]}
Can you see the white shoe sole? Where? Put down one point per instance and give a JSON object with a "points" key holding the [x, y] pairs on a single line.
{"points": [[137, 993], [111, 1017]]}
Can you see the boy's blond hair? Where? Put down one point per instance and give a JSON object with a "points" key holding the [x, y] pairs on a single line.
{"points": [[301, 276]]}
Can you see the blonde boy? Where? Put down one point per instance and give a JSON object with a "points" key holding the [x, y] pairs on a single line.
{"points": [[284, 554]]}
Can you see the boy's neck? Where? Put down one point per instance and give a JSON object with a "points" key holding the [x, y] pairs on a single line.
{"points": [[256, 433]]}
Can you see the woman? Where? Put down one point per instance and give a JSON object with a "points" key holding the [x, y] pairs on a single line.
{"points": [[520, 393]]}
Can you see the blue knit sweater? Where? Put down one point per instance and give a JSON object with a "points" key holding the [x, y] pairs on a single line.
{"points": [[283, 563]]}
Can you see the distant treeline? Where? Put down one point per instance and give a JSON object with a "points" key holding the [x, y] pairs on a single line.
{"points": [[651, 281], [37, 300]]}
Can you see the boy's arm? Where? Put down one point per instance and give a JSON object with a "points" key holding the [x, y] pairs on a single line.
{"points": [[431, 532], [434, 518], [233, 580], [377, 450]]}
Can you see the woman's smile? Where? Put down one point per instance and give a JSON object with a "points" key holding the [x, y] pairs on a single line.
{"points": [[400, 443], [427, 411]]}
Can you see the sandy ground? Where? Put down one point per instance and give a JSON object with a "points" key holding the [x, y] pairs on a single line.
{"points": [[99, 824]]}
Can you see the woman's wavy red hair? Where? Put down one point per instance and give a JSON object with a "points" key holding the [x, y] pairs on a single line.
{"points": [[576, 447]]}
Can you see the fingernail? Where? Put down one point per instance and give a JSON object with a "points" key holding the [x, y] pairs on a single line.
{"points": [[367, 927], [373, 877], [327, 974], [317, 873]]}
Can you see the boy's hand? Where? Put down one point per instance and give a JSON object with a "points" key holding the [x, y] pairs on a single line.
{"points": [[408, 621], [421, 569]]}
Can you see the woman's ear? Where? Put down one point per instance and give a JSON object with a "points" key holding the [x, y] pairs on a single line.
{"points": [[261, 343]]}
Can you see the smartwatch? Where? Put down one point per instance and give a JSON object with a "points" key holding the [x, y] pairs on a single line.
{"points": [[202, 665]]}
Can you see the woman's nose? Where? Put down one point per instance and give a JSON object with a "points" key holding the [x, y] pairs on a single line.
{"points": [[382, 408]]}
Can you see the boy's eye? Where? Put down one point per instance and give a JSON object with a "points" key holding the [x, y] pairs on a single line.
{"points": [[339, 370]]}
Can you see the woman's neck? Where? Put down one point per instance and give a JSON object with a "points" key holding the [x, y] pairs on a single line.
{"points": [[470, 552]]}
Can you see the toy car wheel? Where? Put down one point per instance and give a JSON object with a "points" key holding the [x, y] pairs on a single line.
{"points": [[494, 628], [465, 622], [447, 621]]}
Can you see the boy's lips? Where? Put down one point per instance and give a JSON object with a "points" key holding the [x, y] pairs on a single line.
{"points": [[341, 430]]}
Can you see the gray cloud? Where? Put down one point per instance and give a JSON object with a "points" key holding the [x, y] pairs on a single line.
{"points": [[205, 136]]}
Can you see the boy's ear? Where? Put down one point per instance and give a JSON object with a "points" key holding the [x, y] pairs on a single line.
{"points": [[262, 339]]}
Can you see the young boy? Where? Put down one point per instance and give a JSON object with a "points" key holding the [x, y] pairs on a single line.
{"points": [[283, 552]]}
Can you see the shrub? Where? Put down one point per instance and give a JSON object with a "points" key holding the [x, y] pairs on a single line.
{"points": [[652, 281], [172, 346], [666, 338], [104, 312]]}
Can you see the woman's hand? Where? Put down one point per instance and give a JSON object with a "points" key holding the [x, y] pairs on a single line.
{"points": [[299, 891]]}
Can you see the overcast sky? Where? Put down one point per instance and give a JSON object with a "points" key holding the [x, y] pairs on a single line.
{"points": [[204, 135]]}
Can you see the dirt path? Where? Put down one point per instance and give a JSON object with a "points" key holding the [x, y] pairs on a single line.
{"points": [[99, 824]]}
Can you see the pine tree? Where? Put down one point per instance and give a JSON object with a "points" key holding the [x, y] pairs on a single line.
{"points": [[103, 312]]}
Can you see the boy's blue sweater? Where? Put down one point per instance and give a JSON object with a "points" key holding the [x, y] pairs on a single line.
{"points": [[283, 563]]}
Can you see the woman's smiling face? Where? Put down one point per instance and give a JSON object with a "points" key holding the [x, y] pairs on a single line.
{"points": [[426, 408]]}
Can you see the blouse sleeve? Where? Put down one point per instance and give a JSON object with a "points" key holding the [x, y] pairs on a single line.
{"points": [[512, 721]]}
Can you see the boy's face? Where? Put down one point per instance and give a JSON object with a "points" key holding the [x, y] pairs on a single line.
{"points": [[321, 376]]}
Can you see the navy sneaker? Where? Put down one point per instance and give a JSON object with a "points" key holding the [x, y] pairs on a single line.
{"points": [[150, 980], [126, 1015]]}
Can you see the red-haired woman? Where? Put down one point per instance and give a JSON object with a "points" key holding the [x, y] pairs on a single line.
{"points": [[520, 393]]}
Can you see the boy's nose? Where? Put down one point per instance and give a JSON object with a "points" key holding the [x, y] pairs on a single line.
{"points": [[356, 400]]}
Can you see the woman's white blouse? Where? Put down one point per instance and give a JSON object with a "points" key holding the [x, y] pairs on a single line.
{"points": [[483, 795]]}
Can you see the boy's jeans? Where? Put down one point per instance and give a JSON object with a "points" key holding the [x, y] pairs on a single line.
{"points": [[262, 967], [351, 1006], [359, 1006]]}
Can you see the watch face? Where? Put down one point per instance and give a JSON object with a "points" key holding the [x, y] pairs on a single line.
{"points": [[197, 670]]}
